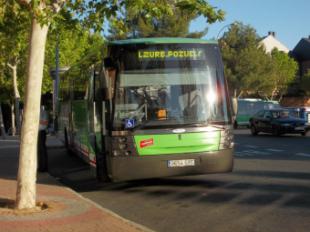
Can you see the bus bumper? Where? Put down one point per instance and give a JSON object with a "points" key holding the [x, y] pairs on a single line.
{"points": [[144, 167]]}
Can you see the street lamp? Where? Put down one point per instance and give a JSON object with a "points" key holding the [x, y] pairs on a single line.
{"points": [[225, 26]]}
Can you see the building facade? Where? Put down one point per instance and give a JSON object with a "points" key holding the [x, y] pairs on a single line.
{"points": [[301, 53], [270, 42]]}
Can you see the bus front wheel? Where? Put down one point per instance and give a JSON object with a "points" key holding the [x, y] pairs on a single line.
{"points": [[67, 144], [101, 169]]}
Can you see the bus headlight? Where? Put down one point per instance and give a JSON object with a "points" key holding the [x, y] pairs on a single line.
{"points": [[120, 146], [227, 139], [122, 139], [116, 153]]}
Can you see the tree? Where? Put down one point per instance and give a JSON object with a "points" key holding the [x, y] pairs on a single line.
{"points": [[14, 37], [247, 66], [284, 73], [92, 13], [132, 23]]}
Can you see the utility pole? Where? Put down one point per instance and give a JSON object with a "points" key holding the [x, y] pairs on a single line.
{"points": [[56, 83]]}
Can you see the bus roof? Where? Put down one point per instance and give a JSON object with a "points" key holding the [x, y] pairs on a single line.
{"points": [[162, 40]]}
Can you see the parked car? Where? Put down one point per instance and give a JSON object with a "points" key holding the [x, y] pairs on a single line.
{"points": [[300, 112], [277, 122], [247, 107]]}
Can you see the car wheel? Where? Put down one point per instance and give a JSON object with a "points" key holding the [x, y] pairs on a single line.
{"points": [[253, 130], [101, 169], [303, 133]]}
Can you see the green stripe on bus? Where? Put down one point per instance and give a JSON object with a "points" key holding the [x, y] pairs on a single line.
{"points": [[177, 143]]}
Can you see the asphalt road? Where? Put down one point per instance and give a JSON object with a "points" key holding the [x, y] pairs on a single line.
{"points": [[269, 190]]}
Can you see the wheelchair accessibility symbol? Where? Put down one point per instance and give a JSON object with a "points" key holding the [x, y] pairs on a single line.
{"points": [[130, 123]]}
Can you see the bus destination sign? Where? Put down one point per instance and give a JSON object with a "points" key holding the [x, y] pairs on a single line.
{"points": [[193, 54]]}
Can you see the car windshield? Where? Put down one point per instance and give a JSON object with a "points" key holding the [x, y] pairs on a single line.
{"points": [[185, 90], [281, 114]]}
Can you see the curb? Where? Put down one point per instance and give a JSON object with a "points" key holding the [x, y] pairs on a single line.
{"points": [[139, 226], [134, 224]]}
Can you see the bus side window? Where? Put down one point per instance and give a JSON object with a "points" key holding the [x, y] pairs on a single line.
{"points": [[80, 82], [64, 88], [98, 85]]}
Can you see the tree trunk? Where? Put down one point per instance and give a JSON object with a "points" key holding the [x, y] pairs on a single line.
{"points": [[2, 130], [26, 180], [16, 97], [273, 93]]}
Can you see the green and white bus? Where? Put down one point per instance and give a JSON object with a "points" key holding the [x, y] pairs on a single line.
{"points": [[147, 108]]}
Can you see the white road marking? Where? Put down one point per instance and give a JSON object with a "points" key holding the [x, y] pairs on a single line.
{"points": [[274, 150], [250, 153], [257, 152], [251, 146], [241, 154], [10, 146], [303, 154], [9, 140]]}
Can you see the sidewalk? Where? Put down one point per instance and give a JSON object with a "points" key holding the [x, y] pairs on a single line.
{"points": [[67, 210]]}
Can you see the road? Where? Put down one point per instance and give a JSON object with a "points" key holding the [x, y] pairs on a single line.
{"points": [[269, 190]]}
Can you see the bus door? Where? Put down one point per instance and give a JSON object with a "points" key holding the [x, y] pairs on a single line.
{"points": [[97, 123], [91, 137], [80, 113]]}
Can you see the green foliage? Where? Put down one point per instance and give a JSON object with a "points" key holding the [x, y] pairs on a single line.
{"points": [[73, 44], [253, 71], [173, 21], [284, 72], [73, 20], [250, 71], [14, 34], [246, 64]]}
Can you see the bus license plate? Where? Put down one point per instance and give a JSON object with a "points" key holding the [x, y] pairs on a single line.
{"points": [[181, 163]]}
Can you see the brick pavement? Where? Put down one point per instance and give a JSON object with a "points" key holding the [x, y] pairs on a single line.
{"points": [[67, 211]]}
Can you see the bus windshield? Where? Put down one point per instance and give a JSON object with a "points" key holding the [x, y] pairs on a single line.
{"points": [[169, 85]]}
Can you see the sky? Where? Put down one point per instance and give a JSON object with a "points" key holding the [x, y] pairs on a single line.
{"points": [[289, 19]]}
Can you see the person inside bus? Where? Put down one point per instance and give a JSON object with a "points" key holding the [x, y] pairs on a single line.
{"points": [[163, 104], [163, 99]]}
